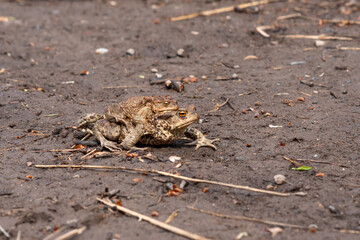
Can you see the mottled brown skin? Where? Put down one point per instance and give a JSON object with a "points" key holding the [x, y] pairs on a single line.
{"points": [[139, 110], [164, 129]]}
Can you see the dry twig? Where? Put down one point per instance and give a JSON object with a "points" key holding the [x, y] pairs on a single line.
{"points": [[169, 175], [153, 221], [71, 234], [293, 161], [219, 105], [248, 219], [324, 162], [16, 145], [220, 10], [315, 37], [261, 30], [123, 86], [349, 48], [172, 216]]}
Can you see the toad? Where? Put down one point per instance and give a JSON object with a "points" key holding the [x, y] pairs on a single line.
{"points": [[165, 128], [134, 114]]}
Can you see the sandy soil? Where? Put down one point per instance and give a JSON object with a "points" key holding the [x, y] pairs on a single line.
{"points": [[311, 91]]}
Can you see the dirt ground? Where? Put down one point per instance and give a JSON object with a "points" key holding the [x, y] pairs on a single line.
{"points": [[311, 91]]}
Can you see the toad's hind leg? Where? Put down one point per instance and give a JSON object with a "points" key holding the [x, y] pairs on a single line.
{"points": [[101, 135], [200, 139], [133, 137]]}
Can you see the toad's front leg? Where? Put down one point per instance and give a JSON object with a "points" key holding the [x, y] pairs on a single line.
{"points": [[200, 139]]}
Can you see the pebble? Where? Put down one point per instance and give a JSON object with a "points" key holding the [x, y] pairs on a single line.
{"points": [[154, 70], [101, 51], [183, 184], [319, 43], [236, 67], [194, 33], [180, 52], [333, 210], [158, 75], [174, 158], [170, 186], [279, 179], [203, 77], [130, 52]]}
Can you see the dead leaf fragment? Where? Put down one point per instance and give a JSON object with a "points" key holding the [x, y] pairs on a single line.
{"points": [[138, 180], [78, 147], [30, 176], [205, 189], [274, 231], [300, 99], [154, 214], [84, 73], [133, 155], [172, 216], [189, 79], [4, 19]]}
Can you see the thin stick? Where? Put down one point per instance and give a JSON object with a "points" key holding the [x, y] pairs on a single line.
{"points": [[248, 219], [16, 145], [294, 15], [18, 236], [123, 86], [153, 221], [261, 30], [4, 232], [293, 161], [169, 175], [71, 234], [315, 37], [339, 21], [219, 10], [324, 162], [350, 48], [53, 234]]}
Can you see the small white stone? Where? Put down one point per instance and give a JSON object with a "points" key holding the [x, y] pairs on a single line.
{"points": [[319, 43], [130, 52], [194, 33], [158, 75], [154, 70], [174, 158], [180, 52], [279, 179], [101, 51]]}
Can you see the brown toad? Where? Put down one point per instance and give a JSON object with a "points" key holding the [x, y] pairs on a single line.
{"points": [[135, 114], [164, 129]]}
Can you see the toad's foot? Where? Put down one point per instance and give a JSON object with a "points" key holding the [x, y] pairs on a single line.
{"points": [[200, 139], [112, 146]]}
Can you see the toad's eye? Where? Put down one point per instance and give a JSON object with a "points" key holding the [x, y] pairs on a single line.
{"points": [[182, 113], [166, 103]]}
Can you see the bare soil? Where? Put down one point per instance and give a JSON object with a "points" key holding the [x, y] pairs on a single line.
{"points": [[311, 92]]}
